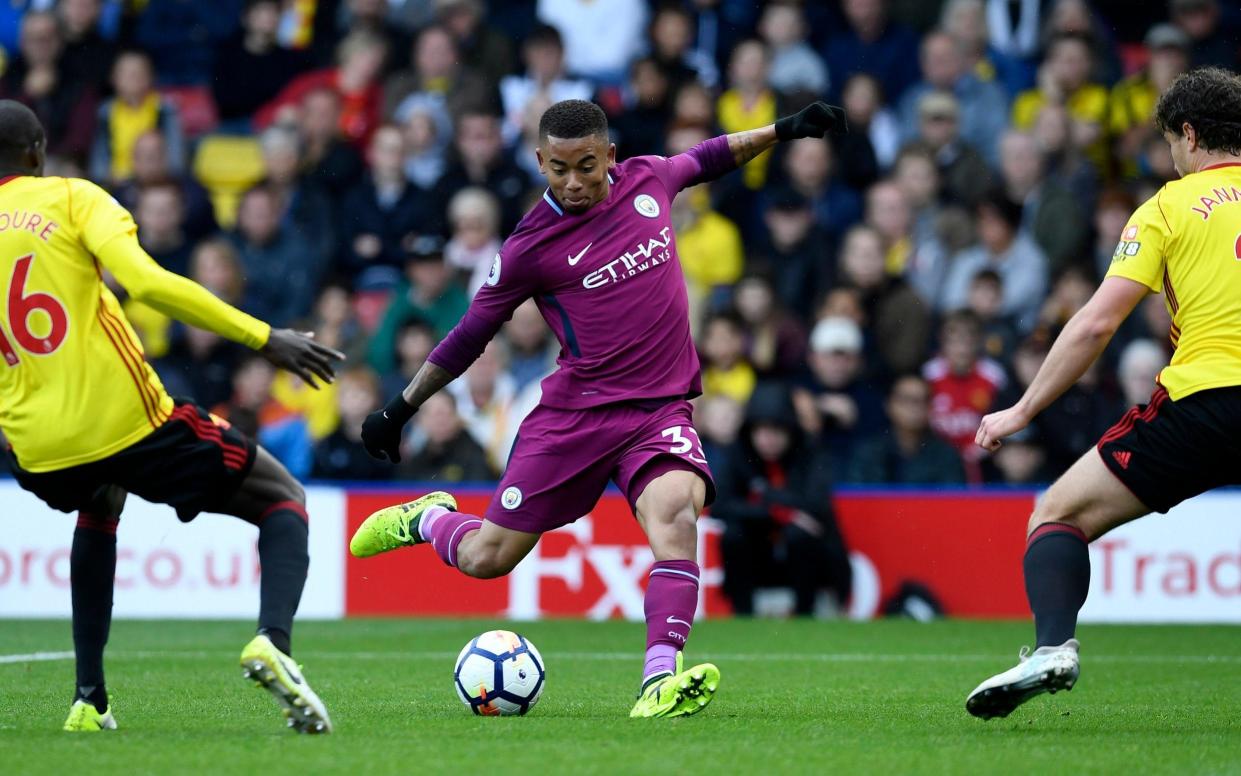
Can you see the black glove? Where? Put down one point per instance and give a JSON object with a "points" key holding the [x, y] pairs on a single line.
{"points": [[381, 431], [814, 120]]}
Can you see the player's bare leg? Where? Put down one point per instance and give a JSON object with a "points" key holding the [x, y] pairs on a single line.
{"points": [[272, 499], [92, 574], [1084, 504], [668, 510]]}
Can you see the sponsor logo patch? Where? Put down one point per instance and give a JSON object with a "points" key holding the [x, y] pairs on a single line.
{"points": [[1126, 249]]}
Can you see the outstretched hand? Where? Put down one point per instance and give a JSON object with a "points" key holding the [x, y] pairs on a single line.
{"points": [[815, 120], [297, 352]]}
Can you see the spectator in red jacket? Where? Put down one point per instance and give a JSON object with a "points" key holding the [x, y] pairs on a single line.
{"points": [[963, 386], [360, 58]]}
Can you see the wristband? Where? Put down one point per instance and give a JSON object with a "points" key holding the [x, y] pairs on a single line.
{"points": [[784, 128], [398, 410]]}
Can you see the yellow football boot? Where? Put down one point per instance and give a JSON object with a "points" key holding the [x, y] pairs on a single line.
{"points": [[396, 526]]}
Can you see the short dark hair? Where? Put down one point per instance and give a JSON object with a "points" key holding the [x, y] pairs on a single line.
{"points": [[1209, 100], [1072, 37], [987, 276], [544, 35], [20, 130], [728, 316], [1003, 206], [573, 118], [964, 318]]}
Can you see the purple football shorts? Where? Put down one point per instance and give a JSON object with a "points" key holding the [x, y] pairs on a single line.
{"points": [[563, 459]]}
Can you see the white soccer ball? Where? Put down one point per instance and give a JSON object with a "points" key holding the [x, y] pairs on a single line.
{"points": [[499, 673]]}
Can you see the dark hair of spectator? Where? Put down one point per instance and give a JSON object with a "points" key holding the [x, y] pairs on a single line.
{"points": [[999, 203], [965, 320], [647, 63], [1209, 100], [1072, 37], [363, 375], [544, 35], [987, 276], [416, 324], [1115, 197], [666, 7], [20, 131], [572, 119], [905, 377], [165, 185], [728, 316], [261, 190], [915, 149]]}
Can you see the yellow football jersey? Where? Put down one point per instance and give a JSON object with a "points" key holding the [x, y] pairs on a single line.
{"points": [[1186, 242], [75, 386]]}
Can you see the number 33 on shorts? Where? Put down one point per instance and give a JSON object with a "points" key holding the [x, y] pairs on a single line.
{"points": [[683, 445]]}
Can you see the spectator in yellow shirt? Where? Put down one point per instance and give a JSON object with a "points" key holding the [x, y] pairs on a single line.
{"points": [[708, 243], [1133, 99], [725, 370], [749, 102], [136, 109], [1064, 80], [709, 246]]}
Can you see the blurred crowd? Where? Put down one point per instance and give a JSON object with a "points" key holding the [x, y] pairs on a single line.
{"points": [[352, 166]]}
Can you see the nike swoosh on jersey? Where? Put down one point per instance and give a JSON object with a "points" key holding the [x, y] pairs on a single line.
{"points": [[573, 260]]}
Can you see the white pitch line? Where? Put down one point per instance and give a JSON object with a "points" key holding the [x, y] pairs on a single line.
{"points": [[36, 657], [745, 657]]}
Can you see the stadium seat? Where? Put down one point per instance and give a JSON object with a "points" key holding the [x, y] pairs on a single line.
{"points": [[227, 166], [1133, 57], [195, 107]]}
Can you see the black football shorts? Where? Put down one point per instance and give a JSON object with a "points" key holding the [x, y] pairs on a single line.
{"points": [[194, 463], [1166, 451]]}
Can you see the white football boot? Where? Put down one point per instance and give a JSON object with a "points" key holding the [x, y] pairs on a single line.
{"points": [[1047, 669]]}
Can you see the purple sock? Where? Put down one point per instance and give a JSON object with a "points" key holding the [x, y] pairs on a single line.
{"points": [[671, 598], [445, 529]]}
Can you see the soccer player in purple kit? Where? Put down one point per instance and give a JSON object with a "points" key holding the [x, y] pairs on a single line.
{"points": [[598, 256]]}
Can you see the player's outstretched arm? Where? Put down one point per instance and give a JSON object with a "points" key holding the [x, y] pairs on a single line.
{"points": [[381, 431], [815, 120], [1080, 342], [183, 299]]}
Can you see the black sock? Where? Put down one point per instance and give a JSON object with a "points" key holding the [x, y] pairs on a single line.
{"points": [[1057, 569], [92, 572], [97, 696], [283, 559]]}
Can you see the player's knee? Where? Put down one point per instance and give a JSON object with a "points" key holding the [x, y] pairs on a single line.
{"points": [[292, 490], [1049, 510]]}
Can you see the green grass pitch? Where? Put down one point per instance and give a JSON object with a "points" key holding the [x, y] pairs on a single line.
{"points": [[795, 697]]}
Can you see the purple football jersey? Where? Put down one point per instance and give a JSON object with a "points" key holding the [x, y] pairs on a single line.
{"points": [[608, 283]]}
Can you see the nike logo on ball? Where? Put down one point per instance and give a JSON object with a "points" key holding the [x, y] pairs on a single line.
{"points": [[674, 621], [573, 260]]}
